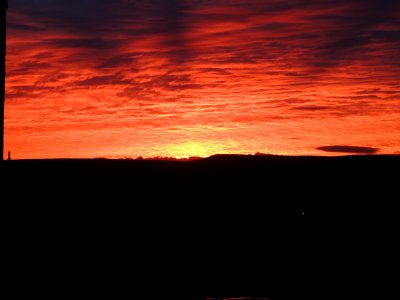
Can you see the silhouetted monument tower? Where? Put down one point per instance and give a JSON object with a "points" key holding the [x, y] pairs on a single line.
{"points": [[3, 21]]}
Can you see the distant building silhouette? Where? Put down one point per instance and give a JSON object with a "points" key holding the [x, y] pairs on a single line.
{"points": [[3, 23]]}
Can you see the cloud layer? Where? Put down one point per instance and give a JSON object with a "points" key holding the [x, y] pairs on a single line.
{"points": [[348, 149], [127, 78]]}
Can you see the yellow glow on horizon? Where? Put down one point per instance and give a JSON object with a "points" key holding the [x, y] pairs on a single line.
{"points": [[188, 149]]}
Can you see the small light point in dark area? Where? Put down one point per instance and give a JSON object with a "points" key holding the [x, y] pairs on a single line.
{"points": [[300, 212]]}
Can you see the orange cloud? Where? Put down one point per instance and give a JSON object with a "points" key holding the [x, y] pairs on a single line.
{"points": [[133, 78]]}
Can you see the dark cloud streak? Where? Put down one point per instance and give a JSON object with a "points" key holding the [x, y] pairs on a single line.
{"points": [[344, 32], [348, 149]]}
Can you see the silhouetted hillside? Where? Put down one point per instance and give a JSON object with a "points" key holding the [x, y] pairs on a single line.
{"points": [[224, 226], [222, 176]]}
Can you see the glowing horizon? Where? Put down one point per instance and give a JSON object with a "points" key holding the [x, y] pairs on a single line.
{"points": [[187, 78]]}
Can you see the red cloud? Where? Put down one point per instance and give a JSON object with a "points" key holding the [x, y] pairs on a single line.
{"points": [[280, 77]]}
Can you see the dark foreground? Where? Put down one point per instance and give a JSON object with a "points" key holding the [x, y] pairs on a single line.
{"points": [[226, 226]]}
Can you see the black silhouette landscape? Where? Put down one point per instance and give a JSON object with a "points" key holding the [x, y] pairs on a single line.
{"points": [[226, 226]]}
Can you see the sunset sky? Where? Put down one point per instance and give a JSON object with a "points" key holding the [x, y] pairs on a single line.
{"points": [[128, 78]]}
